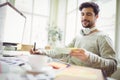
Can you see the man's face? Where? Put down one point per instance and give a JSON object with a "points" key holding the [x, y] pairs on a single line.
{"points": [[88, 17]]}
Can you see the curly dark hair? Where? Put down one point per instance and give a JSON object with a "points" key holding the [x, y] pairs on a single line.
{"points": [[93, 5]]}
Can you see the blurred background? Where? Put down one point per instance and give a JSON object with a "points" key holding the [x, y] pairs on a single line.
{"points": [[46, 18]]}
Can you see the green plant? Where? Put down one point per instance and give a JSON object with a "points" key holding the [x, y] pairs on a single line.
{"points": [[54, 34]]}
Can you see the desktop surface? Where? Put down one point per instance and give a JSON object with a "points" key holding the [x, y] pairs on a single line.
{"points": [[64, 72]]}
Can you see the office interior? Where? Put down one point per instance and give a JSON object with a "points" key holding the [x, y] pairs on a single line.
{"points": [[40, 16]]}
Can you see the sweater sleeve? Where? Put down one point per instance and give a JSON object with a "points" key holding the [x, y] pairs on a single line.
{"points": [[55, 53], [106, 61]]}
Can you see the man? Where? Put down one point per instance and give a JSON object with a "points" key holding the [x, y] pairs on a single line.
{"points": [[94, 48]]}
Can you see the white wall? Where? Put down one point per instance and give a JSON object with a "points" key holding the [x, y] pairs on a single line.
{"points": [[116, 75]]}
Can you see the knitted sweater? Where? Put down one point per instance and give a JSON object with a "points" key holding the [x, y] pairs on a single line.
{"points": [[99, 47]]}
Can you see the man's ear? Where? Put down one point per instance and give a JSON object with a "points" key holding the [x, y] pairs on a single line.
{"points": [[97, 16]]}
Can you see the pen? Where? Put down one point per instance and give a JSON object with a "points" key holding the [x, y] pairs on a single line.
{"points": [[34, 46], [68, 65], [104, 74], [21, 64], [7, 55]]}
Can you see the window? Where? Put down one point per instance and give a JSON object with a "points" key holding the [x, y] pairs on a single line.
{"points": [[106, 20], [37, 16], [73, 24]]}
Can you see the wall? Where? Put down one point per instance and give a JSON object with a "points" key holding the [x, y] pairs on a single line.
{"points": [[117, 42], [116, 75]]}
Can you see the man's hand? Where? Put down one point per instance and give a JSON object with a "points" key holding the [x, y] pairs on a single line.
{"points": [[80, 54], [34, 51]]}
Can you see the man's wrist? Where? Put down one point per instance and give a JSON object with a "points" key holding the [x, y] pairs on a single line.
{"points": [[42, 51]]}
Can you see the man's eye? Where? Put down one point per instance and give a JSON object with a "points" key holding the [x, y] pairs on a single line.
{"points": [[82, 14], [89, 14]]}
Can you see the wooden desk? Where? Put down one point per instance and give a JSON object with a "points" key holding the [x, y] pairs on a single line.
{"points": [[77, 73], [61, 71]]}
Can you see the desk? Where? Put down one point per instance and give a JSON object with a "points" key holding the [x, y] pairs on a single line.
{"points": [[77, 72], [62, 72]]}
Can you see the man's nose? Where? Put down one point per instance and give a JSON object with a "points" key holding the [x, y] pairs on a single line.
{"points": [[84, 16]]}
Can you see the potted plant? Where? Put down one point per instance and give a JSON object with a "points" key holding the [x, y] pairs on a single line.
{"points": [[54, 35]]}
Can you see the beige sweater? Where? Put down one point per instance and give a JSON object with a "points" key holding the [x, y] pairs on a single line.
{"points": [[100, 48]]}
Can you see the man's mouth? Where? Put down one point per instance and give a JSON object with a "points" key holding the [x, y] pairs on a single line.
{"points": [[85, 21]]}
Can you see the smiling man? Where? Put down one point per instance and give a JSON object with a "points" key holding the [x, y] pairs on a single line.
{"points": [[93, 49]]}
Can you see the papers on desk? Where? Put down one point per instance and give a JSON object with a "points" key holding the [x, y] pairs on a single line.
{"points": [[19, 64], [12, 61], [15, 53], [13, 70]]}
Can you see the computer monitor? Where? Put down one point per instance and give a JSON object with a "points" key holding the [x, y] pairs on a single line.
{"points": [[13, 23]]}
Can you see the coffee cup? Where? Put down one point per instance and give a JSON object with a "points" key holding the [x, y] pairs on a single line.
{"points": [[38, 62]]}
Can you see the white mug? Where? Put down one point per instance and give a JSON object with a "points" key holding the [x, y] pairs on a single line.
{"points": [[37, 62]]}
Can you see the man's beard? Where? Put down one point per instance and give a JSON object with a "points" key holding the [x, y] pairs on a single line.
{"points": [[87, 25]]}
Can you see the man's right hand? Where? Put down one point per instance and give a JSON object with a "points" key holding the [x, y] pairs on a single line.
{"points": [[34, 51]]}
